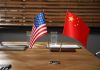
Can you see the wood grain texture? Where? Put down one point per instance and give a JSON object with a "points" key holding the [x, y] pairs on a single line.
{"points": [[38, 59], [22, 12]]}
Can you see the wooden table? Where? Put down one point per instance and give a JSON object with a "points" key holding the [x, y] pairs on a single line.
{"points": [[38, 59]]}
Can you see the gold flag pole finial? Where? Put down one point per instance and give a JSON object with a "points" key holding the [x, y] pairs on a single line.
{"points": [[43, 10]]}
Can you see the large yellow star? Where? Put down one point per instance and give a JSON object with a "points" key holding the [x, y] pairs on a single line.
{"points": [[71, 18]]}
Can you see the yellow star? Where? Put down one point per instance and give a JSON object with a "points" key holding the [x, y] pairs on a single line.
{"points": [[76, 25], [71, 18]]}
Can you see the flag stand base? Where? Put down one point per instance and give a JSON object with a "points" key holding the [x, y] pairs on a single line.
{"points": [[54, 62]]}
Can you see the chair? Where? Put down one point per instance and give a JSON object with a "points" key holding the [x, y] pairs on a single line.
{"points": [[98, 54]]}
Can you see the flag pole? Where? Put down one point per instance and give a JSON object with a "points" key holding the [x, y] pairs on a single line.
{"points": [[43, 10], [53, 45], [60, 46]]}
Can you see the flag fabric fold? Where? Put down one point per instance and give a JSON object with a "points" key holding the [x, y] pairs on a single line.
{"points": [[75, 28], [39, 28]]}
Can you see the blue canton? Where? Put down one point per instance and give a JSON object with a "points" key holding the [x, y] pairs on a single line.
{"points": [[39, 19]]}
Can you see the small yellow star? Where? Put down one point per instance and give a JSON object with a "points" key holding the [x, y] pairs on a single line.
{"points": [[71, 18], [76, 25]]}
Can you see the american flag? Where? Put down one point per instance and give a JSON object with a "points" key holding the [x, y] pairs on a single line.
{"points": [[39, 28]]}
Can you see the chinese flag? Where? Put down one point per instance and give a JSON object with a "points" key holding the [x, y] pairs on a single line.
{"points": [[75, 28]]}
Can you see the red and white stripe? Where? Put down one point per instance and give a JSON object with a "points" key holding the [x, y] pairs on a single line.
{"points": [[37, 33]]}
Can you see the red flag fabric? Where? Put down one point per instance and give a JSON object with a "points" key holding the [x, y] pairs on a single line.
{"points": [[75, 28], [39, 28]]}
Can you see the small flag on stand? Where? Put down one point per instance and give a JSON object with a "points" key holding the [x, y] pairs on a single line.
{"points": [[75, 28], [39, 28]]}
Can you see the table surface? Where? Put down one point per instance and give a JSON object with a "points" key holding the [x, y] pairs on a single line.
{"points": [[38, 59]]}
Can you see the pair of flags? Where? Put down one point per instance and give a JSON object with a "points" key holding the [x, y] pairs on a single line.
{"points": [[74, 28]]}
